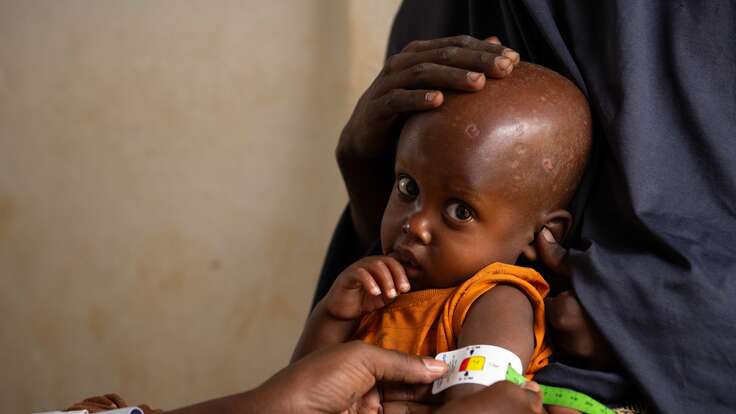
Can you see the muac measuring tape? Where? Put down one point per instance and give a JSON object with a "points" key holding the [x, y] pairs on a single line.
{"points": [[563, 396], [488, 364]]}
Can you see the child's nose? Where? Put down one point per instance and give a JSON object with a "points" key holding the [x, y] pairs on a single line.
{"points": [[417, 226]]}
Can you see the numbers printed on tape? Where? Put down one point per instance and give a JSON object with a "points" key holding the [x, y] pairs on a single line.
{"points": [[475, 364]]}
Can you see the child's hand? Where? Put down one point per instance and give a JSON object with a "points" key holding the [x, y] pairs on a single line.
{"points": [[365, 286]]}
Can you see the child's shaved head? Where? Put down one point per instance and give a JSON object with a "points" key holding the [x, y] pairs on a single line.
{"points": [[477, 178], [533, 129]]}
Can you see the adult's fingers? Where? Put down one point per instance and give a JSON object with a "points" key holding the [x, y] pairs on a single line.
{"points": [[407, 407], [493, 64], [465, 41], [397, 391], [148, 410], [565, 313], [573, 333], [402, 100], [492, 45], [99, 403], [509, 53], [501, 397], [402, 398], [431, 76], [494, 40], [370, 403], [338, 377], [551, 253], [556, 409]]}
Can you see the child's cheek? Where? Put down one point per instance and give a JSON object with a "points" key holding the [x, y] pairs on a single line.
{"points": [[389, 226]]}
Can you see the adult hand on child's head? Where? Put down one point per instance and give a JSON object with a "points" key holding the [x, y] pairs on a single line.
{"points": [[338, 378], [572, 331], [502, 397], [410, 81]]}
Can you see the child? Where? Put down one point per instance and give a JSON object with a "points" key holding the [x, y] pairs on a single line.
{"points": [[476, 180]]}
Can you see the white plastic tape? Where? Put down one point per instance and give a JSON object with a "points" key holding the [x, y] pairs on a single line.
{"points": [[476, 364], [126, 410]]}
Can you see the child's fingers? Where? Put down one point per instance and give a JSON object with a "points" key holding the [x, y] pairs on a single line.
{"points": [[366, 280], [374, 302], [397, 270], [382, 275]]}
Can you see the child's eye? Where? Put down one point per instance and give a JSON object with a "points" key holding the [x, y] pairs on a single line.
{"points": [[407, 187], [459, 212]]}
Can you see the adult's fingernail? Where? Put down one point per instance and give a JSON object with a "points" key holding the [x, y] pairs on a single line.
{"points": [[502, 62], [474, 76], [511, 54], [434, 365], [548, 236], [429, 96], [391, 293], [404, 287]]}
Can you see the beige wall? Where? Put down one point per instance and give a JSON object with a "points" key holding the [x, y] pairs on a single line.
{"points": [[167, 188]]}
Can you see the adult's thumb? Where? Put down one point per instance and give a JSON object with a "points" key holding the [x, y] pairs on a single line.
{"points": [[387, 365], [551, 253]]}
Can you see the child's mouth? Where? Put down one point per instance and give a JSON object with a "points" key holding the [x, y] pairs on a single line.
{"points": [[412, 271], [408, 261]]}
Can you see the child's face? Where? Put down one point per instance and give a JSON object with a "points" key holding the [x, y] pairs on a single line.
{"points": [[479, 176], [452, 210]]}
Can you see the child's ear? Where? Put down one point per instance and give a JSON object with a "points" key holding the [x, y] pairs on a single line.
{"points": [[558, 222]]}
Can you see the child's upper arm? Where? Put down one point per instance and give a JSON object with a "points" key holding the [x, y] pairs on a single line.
{"points": [[504, 317]]}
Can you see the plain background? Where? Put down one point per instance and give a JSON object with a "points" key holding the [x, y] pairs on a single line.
{"points": [[168, 188]]}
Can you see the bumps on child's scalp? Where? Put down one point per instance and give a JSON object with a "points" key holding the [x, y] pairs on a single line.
{"points": [[532, 130]]}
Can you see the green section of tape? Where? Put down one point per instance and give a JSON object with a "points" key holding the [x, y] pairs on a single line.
{"points": [[563, 396]]}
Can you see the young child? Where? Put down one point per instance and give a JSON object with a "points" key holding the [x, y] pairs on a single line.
{"points": [[476, 180]]}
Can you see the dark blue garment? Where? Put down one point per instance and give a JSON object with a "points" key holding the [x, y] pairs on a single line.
{"points": [[659, 204]]}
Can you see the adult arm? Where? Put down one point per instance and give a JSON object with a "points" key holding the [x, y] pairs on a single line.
{"points": [[572, 330], [330, 381]]}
